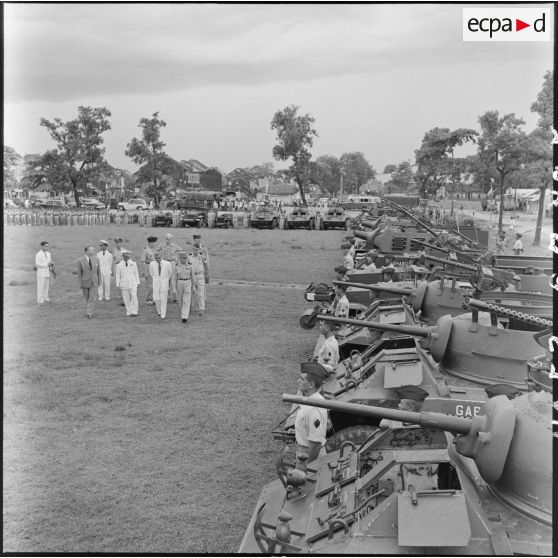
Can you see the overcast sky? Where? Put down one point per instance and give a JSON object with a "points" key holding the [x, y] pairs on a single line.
{"points": [[375, 77]]}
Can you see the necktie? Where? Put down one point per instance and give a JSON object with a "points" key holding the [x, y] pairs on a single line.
{"points": [[126, 263], [89, 260], [159, 268]]}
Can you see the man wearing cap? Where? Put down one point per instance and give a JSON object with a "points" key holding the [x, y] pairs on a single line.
{"points": [[348, 260], [387, 274], [169, 251], [44, 265], [127, 278], [105, 263], [148, 256], [200, 269], [161, 274], [89, 277], [311, 422], [185, 284], [370, 261], [341, 271], [198, 244], [328, 352]]}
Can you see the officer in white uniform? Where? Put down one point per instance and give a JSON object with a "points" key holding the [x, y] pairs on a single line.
{"points": [[127, 278], [161, 274]]}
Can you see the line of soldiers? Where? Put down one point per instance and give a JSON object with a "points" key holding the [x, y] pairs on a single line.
{"points": [[56, 217]]}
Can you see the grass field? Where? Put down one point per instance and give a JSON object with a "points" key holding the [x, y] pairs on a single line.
{"points": [[167, 451]]}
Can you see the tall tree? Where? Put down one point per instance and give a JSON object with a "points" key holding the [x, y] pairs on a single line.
{"points": [[356, 171], [500, 147], [148, 152], [295, 136], [79, 151], [401, 174], [539, 146], [11, 159], [326, 172]]}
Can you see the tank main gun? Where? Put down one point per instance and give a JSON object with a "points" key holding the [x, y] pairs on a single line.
{"points": [[370, 224], [510, 444]]}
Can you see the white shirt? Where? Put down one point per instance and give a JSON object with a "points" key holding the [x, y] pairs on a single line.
{"points": [[105, 262], [42, 260], [311, 423], [342, 307], [518, 245], [127, 277], [348, 262], [328, 356]]}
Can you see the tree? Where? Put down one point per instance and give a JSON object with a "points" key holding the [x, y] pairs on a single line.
{"points": [[148, 152], [11, 159], [436, 163], [295, 135], [356, 171], [79, 152], [500, 147], [401, 175], [539, 146], [326, 171]]}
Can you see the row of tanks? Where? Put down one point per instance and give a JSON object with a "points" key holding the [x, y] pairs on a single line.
{"points": [[440, 414]]}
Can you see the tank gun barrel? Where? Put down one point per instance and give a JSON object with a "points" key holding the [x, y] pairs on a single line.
{"points": [[455, 425], [415, 331], [454, 263], [411, 216], [508, 312], [393, 290], [370, 224], [364, 235]]}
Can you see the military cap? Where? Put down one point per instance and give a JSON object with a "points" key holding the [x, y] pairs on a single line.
{"points": [[124, 251], [341, 286], [103, 242], [117, 240], [414, 393], [196, 236], [151, 239], [341, 269], [168, 235], [317, 372], [388, 270]]}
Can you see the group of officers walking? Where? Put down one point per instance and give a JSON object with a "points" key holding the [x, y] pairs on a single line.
{"points": [[170, 274]]}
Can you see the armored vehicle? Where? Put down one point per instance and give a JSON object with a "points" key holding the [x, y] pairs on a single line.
{"points": [[335, 218], [162, 219], [265, 217], [224, 219], [193, 217], [414, 488], [301, 218]]}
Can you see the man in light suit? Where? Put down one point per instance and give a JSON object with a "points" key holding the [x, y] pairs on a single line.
{"points": [[89, 277], [105, 262], [127, 278], [161, 273]]}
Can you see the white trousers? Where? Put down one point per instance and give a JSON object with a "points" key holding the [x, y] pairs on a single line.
{"points": [[184, 297], [130, 297], [104, 287], [160, 299], [42, 288], [199, 294]]}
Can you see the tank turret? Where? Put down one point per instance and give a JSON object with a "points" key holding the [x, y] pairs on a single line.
{"points": [[473, 346], [510, 444]]}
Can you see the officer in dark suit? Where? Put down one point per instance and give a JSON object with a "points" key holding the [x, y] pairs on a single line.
{"points": [[89, 277]]}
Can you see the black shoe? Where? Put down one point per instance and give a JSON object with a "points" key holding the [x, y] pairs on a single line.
{"points": [[184, 320], [122, 304]]}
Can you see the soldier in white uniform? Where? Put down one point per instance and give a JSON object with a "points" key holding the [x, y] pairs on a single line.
{"points": [[348, 260], [169, 252], [44, 264], [161, 274], [148, 256], [127, 278], [105, 264], [342, 306], [328, 353]]}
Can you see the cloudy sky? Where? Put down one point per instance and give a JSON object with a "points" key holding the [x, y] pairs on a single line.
{"points": [[375, 77]]}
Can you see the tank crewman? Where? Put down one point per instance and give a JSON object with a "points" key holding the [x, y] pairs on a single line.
{"points": [[147, 256], [105, 265], [387, 274], [328, 353], [348, 260], [185, 284], [311, 422], [370, 261], [169, 251], [342, 306], [200, 269], [388, 263], [341, 271]]}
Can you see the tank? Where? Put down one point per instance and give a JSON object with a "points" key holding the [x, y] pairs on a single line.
{"points": [[473, 346], [425, 483]]}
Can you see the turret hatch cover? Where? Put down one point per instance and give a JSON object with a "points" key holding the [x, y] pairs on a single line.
{"points": [[392, 317], [397, 374], [439, 518]]}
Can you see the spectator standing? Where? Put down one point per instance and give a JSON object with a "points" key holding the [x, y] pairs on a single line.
{"points": [[518, 245]]}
